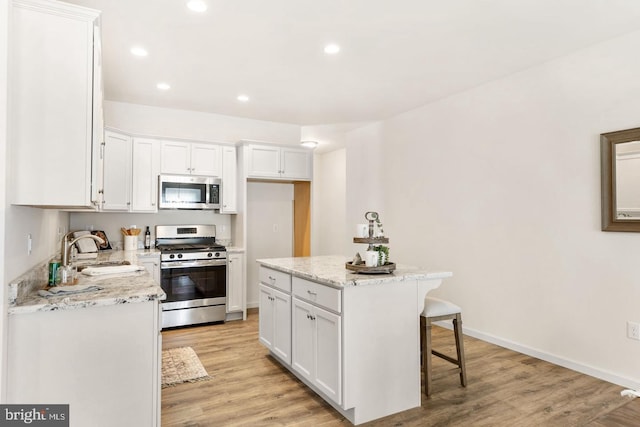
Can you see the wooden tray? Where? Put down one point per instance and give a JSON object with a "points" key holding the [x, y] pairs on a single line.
{"points": [[363, 269], [371, 240]]}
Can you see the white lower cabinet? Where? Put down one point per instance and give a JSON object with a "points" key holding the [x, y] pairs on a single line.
{"points": [[235, 282], [151, 262], [103, 361], [275, 321], [301, 323], [316, 345]]}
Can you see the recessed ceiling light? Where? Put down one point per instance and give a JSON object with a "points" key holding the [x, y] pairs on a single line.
{"points": [[243, 98], [163, 86], [309, 144], [139, 51], [331, 49], [197, 5]]}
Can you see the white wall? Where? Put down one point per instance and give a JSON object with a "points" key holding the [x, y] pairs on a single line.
{"points": [[172, 123], [501, 185], [4, 21], [328, 227], [111, 222], [43, 225], [366, 170], [269, 228]]}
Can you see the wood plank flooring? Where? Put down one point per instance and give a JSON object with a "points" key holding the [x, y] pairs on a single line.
{"points": [[505, 388]]}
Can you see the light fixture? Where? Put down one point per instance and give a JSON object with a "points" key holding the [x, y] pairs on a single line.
{"points": [[309, 144], [197, 5], [163, 86], [331, 49], [139, 51], [243, 98]]}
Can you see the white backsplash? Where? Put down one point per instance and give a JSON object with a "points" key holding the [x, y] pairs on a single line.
{"points": [[110, 223]]}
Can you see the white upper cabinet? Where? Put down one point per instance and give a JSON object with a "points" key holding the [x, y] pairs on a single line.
{"points": [[146, 168], [229, 181], [268, 161], [206, 159], [56, 102], [129, 173], [264, 161], [296, 164], [116, 191], [175, 157], [191, 158]]}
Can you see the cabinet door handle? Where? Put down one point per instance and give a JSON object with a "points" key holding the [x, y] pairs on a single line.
{"points": [[273, 279], [311, 293]]}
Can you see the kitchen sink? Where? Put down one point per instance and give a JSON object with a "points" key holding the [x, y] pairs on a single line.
{"points": [[103, 264]]}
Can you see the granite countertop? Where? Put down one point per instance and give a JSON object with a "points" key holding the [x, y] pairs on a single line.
{"points": [[121, 288], [331, 270]]}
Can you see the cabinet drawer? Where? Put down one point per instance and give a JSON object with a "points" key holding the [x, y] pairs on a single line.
{"points": [[275, 278], [316, 293]]}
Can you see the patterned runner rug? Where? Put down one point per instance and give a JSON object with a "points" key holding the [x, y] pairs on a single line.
{"points": [[181, 365]]}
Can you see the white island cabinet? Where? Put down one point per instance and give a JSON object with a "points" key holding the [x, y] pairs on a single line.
{"points": [[275, 312], [355, 339]]}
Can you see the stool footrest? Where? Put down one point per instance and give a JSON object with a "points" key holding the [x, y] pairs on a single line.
{"points": [[445, 357]]}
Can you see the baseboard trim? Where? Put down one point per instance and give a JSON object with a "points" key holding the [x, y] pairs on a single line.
{"points": [[547, 357]]}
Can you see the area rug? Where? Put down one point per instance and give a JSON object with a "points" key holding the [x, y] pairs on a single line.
{"points": [[181, 365]]}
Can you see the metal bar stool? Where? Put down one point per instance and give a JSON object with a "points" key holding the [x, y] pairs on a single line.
{"points": [[434, 310]]}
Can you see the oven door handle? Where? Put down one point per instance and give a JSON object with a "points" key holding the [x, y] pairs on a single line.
{"points": [[200, 263]]}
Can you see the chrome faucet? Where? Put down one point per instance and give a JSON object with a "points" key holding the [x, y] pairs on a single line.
{"points": [[66, 245]]}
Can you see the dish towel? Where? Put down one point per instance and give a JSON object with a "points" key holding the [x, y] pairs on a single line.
{"points": [[68, 290], [113, 269]]}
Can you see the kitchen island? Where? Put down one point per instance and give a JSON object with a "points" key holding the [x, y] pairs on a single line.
{"points": [[97, 351], [352, 338]]}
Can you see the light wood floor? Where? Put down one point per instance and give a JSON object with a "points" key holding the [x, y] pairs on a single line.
{"points": [[249, 388]]}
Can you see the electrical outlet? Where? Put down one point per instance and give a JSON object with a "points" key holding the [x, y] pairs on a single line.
{"points": [[29, 244], [633, 330]]}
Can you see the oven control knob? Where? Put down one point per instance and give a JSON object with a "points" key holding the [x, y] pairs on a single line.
{"points": [[172, 256], [209, 254], [217, 254], [179, 255]]}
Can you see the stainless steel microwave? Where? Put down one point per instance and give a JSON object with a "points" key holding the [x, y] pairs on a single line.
{"points": [[189, 192]]}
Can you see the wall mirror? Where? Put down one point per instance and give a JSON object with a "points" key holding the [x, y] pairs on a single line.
{"points": [[620, 169]]}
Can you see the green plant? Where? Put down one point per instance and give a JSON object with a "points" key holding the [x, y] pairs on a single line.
{"points": [[383, 254]]}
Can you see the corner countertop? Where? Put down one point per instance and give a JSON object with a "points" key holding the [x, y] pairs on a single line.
{"points": [[117, 288], [330, 270]]}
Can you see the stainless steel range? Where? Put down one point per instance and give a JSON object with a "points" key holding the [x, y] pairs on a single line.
{"points": [[193, 274]]}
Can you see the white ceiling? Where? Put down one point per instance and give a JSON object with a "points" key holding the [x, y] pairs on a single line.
{"points": [[396, 54]]}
